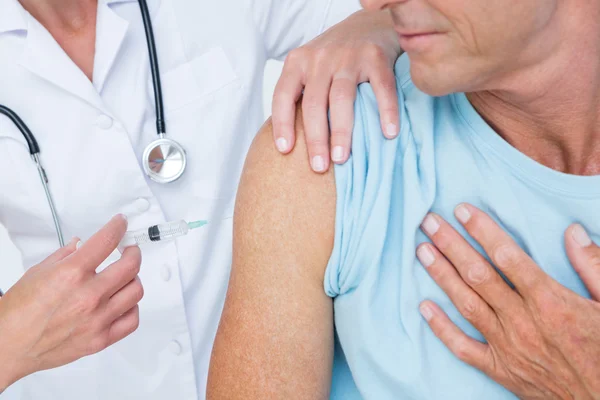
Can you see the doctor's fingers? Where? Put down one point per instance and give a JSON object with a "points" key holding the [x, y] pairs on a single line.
{"points": [[95, 250], [61, 253], [117, 275], [341, 105], [383, 81], [124, 300], [287, 92], [315, 105], [124, 326]]}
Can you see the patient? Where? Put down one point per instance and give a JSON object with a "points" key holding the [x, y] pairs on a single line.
{"points": [[325, 287]]}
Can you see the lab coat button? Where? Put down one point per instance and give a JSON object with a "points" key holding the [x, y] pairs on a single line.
{"points": [[175, 347], [104, 122], [142, 205], [165, 273]]}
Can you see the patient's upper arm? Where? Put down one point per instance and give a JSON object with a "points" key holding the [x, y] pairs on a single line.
{"points": [[275, 339]]}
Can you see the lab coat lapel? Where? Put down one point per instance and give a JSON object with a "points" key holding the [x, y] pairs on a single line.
{"points": [[111, 30], [44, 57]]}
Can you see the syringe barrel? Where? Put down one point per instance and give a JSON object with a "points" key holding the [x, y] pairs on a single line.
{"points": [[161, 232], [171, 230]]}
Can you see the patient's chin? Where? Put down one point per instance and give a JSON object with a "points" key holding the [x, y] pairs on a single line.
{"points": [[431, 82]]}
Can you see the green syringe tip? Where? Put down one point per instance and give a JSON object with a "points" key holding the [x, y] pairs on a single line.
{"points": [[197, 224]]}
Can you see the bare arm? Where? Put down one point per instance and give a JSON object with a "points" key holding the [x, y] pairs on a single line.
{"points": [[275, 339]]}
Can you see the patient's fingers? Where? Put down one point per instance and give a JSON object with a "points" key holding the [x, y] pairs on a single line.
{"points": [[471, 265], [469, 304], [585, 257], [467, 349], [506, 255]]}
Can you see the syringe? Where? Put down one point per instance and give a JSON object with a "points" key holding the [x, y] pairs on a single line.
{"points": [[159, 233]]}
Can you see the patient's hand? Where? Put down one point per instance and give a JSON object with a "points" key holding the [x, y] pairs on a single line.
{"points": [[543, 340], [362, 48]]}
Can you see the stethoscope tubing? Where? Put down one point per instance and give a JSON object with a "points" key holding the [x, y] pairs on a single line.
{"points": [[34, 148], [161, 128]]}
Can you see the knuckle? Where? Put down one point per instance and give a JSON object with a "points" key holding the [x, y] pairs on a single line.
{"points": [[478, 274], [476, 225], [296, 56], [340, 94], [321, 54], [462, 351], [389, 86], [444, 241], [71, 275], [131, 263], [138, 291], [340, 133], [373, 51], [311, 104], [471, 310], [98, 343], [505, 255], [438, 272], [88, 304], [318, 143], [135, 322]]}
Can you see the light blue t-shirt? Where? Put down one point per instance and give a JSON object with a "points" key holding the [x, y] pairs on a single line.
{"points": [[446, 154]]}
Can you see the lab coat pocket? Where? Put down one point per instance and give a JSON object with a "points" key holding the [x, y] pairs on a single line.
{"points": [[196, 79], [198, 97]]}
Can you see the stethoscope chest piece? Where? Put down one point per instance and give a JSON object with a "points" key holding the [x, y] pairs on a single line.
{"points": [[164, 160]]}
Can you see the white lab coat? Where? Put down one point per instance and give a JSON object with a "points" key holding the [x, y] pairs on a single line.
{"points": [[92, 135]]}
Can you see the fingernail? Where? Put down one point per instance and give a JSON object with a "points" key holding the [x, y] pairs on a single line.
{"points": [[318, 164], [282, 144], [122, 216], [430, 225], [391, 130], [581, 237], [462, 214], [426, 312], [425, 256], [338, 154], [78, 245]]}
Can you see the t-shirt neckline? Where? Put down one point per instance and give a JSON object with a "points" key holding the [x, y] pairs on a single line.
{"points": [[526, 167]]}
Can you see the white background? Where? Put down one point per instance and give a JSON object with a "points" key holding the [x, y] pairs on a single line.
{"points": [[10, 260]]}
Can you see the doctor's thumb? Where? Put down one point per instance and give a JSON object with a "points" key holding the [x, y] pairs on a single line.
{"points": [[585, 258]]}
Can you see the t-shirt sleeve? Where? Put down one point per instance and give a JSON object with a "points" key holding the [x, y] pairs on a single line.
{"points": [[287, 24], [364, 187]]}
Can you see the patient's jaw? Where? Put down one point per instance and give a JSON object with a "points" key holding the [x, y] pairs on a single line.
{"points": [[473, 45]]}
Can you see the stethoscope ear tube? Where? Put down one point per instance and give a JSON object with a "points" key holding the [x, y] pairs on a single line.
{"points": [[31, 142]]}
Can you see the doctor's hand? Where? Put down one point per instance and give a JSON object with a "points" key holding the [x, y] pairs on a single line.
{"points": [[362, 48], [62, 310], [542, 338]]}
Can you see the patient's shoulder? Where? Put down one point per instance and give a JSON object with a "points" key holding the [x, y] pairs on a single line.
{"points": [[282, 202]]}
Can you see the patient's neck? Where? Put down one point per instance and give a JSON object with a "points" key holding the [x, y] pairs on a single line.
{"points": [[551, 112]]}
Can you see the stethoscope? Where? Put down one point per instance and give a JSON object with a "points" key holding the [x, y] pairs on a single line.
{"points": [[164, 160]]}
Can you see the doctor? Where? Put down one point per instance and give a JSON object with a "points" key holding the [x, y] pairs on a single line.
{"points": [[78, 74]]}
